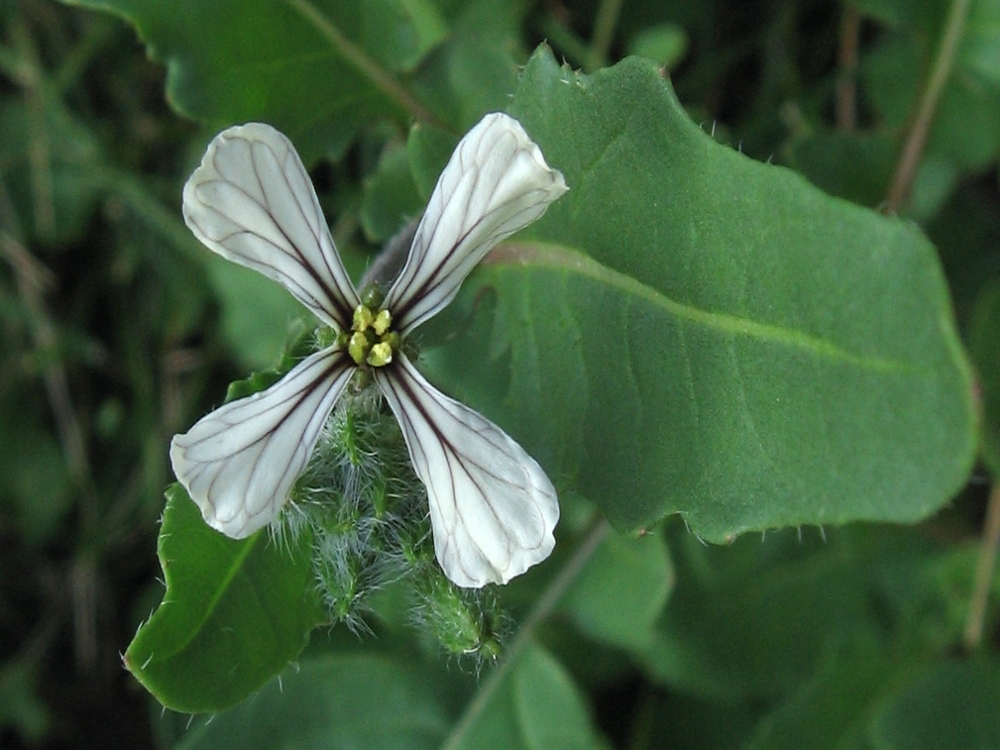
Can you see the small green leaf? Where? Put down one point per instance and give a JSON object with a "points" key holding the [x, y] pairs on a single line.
{"points": [[429, 149], [980, 51], [22, 711], [257, 313], [391, 197], [475, 70], [665, 45], [413, 28], [695, 332], [536, 707], [948, 705], [333, 701], [904, 13], [621, 591], [234, 614], [299, 345], [550, 709]]}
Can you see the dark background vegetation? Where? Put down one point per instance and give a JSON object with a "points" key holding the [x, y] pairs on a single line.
{"points": [[110, 335]]}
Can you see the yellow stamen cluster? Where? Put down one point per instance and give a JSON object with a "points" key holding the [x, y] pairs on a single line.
{"points": [[372, 341]]}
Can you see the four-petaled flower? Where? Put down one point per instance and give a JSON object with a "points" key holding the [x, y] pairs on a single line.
{"points": [[492, 508]]}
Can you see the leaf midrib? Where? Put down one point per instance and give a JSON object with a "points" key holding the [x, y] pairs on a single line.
{"points": [[232, 571], [564, 258]]}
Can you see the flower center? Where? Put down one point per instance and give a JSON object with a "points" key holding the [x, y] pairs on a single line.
{"points": [[372, 340]]}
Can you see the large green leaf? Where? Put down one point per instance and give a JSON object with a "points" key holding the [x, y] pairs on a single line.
{"points": [[338, 700], [234, 614], [322, 70], [318, 70], [695, 332]]}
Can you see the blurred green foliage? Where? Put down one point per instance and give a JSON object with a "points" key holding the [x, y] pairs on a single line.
{"points": [[118, 330]]}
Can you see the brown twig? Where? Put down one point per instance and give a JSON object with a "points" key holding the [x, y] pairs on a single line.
{"points": [[847, 108], [909, 158], [984, 571]]}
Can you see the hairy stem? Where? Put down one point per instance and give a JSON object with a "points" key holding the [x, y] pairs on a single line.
{"points": [[598, 530], [357, 59], [984, 571], [909, 159]]}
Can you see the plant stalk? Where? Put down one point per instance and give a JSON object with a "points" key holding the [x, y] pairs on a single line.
{"points": [[847, 107], [984, 571], [909, 159], [598, 530], [604, 32]]}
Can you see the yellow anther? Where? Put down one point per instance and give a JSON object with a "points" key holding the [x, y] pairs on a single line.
{"points": [[363, 318], [358, 347], [382, 322], [380, 354]]}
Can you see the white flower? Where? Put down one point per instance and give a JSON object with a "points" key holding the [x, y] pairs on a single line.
{"points": [[492, 508]]}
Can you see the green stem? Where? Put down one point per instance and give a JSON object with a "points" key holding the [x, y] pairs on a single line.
{"points": [[909, 159], [357, 58], [984, 571], [39, 149], [566, 41], [598, 530], [604, 32], [16, 68], [137, 196]]}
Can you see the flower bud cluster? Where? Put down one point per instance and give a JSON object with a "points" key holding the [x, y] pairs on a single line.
{"points": [[366, 512], [464, 621]]}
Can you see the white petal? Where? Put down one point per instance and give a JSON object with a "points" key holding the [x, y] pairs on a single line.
{"points": [[496, 183], [492, 507], [239, 462], [252, 202]]}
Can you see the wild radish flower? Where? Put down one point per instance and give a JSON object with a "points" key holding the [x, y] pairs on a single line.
{"points": [[492, 508]]}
